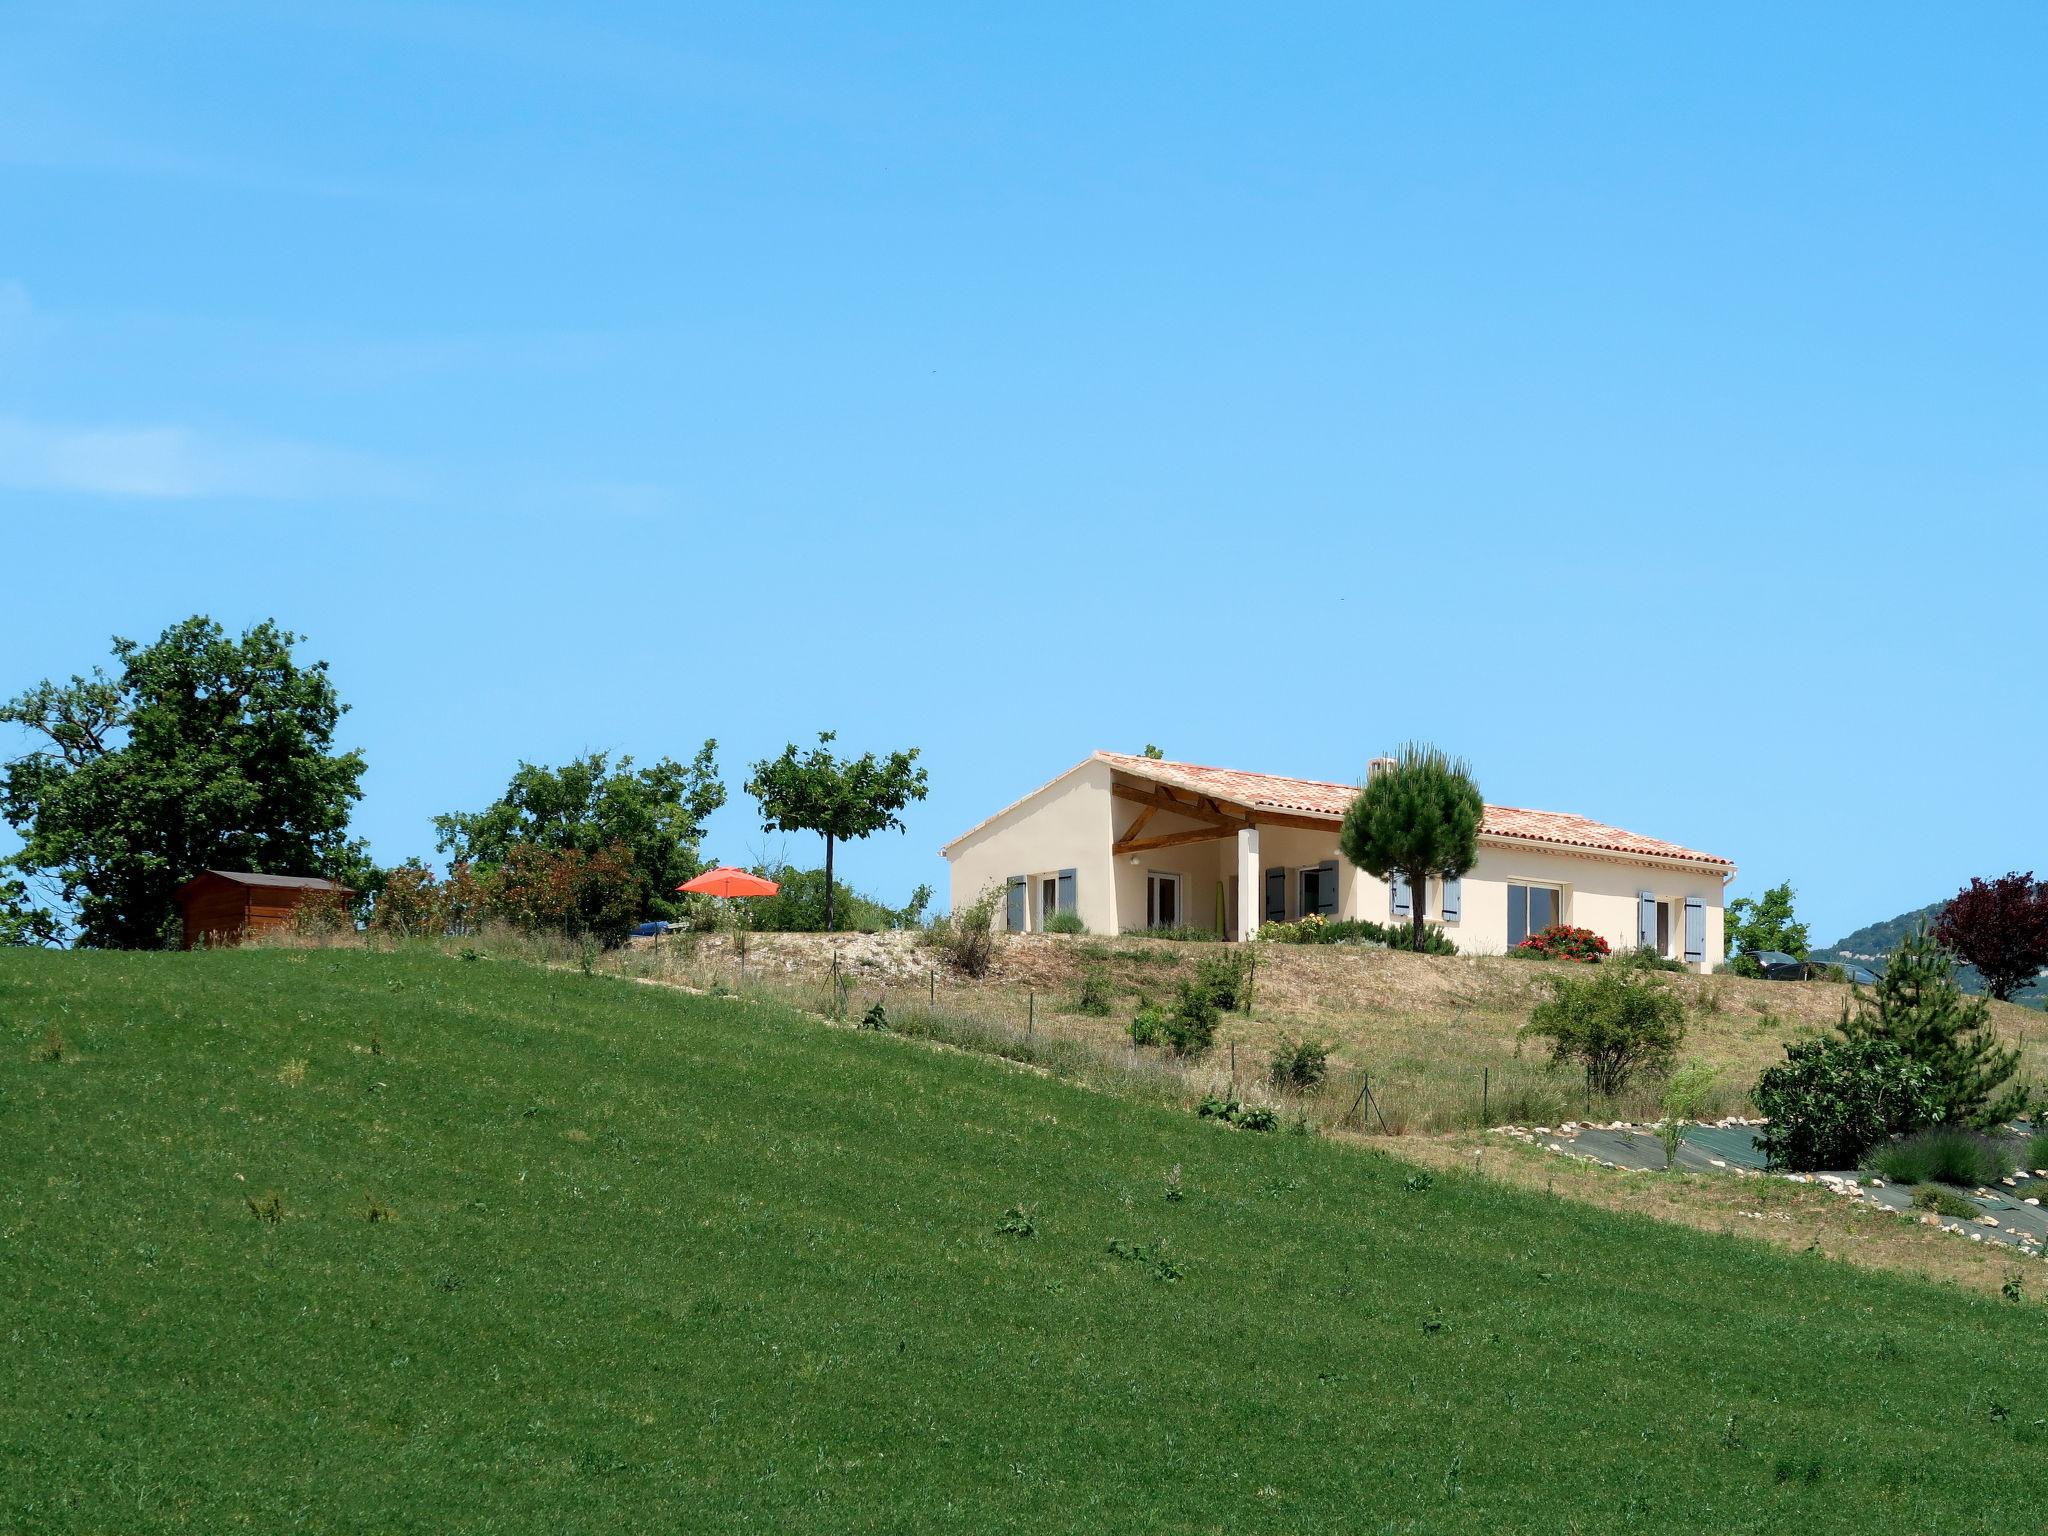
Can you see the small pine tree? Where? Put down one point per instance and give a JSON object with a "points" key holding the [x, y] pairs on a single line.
{"points": [[1918, 1006], [1419, 818]]}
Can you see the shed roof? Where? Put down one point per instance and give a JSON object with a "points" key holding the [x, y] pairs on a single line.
{"points": [[1324, 799], [250, 877]]}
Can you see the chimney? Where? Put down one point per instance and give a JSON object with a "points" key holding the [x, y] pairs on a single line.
{"points": [[1376, 767]]}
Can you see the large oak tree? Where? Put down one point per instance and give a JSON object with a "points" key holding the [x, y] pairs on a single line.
{"points": [[199, 751]]}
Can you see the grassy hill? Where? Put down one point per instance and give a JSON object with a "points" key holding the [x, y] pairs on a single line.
{"points": [[644, 1260]]}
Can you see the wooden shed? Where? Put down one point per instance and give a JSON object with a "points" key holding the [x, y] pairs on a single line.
{"points": [[225, 906]]}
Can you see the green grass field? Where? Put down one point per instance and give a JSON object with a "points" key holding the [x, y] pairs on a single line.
{"points": [[647, 1261]]}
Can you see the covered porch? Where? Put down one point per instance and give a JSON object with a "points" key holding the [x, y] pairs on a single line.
{"points": [[1181, 858]]}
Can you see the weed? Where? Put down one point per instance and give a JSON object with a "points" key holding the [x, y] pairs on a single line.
{"points": [[1153, 1258], [2014, 1288], [51, 1047], [1174, 1193], [1237, 1115], [293, 1073], [1096, 994], [876, 1017], [1017, 1222], [1944, 1202], [376, 1039], [1418, 1182], [267, 1207], [375, 1210], [1065, 920]]}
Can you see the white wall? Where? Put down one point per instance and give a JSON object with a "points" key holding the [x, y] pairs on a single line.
{"points": [[1599, 894], [1066, 825]]}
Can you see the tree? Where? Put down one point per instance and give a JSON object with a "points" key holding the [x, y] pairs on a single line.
{"points": [[1620, 1020], [202, 752], [655, 814], [1918, 1006], [816, 792], [2001, 927], [1417, 818], [22, 923], [1153, 752], [1753, 926]]}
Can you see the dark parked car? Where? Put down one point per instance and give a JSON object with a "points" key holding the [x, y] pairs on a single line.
{"points": [[1782, 967]]}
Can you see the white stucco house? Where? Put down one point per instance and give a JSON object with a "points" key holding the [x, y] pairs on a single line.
{"points": [[1134, 842]]}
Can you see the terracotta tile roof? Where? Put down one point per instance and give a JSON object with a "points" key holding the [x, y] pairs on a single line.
{"points": [[1317, 797]]}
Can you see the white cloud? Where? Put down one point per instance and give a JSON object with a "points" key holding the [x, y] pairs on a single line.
{"points": [[174, 463]]}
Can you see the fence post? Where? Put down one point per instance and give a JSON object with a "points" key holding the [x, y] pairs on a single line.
{"points": [[1233, 1066], [1251, 980], [1485, 1096], [1363, 1079], [931, 989], [837, 1011], [1030, 1011]]}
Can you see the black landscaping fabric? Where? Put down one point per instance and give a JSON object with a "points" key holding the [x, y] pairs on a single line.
{"points": [[1733, 1148]]}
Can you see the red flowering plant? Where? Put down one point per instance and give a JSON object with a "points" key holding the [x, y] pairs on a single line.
{"points": [[1580, 946]]}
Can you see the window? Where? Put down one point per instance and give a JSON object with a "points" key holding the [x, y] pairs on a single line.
{"points": [[1664, 929], [1162, 900], [1531, 909], [1048, 898], [1311, 891]]}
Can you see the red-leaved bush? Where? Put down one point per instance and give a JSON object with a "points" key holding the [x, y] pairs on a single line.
{"points": [[2001, 927]]}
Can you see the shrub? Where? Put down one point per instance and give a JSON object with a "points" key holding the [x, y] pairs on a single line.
{"points": [[1299, 1065], [966, 939], [1148, 1026], [2037, 1150], [1613, 1024], [1180, 933], [1316, 929], [1832, 1100], [1559, 941], [1225, 978], [877, 1017], [1191, 1026], [798, 905], [410, 905], [1065, 920], [1944, 1202], [1946, 1154], [1096, 994], [1645, 957]]}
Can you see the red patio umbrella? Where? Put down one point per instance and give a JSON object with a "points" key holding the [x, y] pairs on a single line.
{"points": [[729, 880]]}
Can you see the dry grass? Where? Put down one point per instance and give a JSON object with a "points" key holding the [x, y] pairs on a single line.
{"points": [[1441, 1038]]}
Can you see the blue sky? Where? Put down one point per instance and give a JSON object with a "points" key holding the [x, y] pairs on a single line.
{"points": [[1647, 405]]}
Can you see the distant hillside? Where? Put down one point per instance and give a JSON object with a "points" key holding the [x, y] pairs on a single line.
{"points": [[1874, 941]]}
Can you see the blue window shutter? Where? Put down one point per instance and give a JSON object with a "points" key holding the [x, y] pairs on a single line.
{"points": [[1454, 896], [1397, 893], [1695, 930], [1013, 905], [1066, 889], [1326, 888], [1276, 895], [1646, 920], [1518, 914]]}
